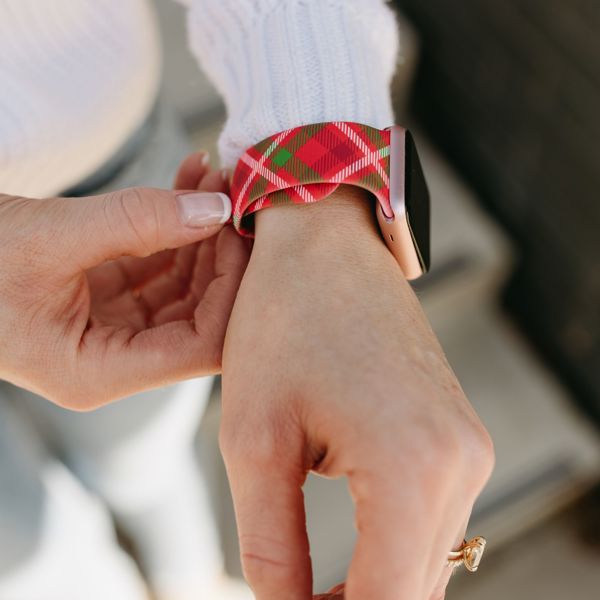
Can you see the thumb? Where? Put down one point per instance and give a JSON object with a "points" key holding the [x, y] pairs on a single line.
{"points": [[135, 221]]}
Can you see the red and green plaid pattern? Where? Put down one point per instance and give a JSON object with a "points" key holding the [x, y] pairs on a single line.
{"points": [[306, 164]]}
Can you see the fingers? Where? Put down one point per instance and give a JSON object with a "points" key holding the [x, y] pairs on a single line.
{"points": [[174, 283], [191, 171], [389, 562], [133, 360], [266, 477], [115, 277], [175, 294], [188, 307], [453, 526], [131, 222], [411, 510], [439, 588], [151, 358], [169, 307], [215, 181], [215, 279], [214, 309]]}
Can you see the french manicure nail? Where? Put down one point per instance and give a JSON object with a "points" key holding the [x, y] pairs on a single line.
{"points": [[201, 209]]}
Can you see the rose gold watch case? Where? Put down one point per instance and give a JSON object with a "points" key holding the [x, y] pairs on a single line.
{"points": [[400, 230]]}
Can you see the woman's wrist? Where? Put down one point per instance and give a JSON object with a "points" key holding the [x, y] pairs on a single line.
{"points": [[346, 215]]}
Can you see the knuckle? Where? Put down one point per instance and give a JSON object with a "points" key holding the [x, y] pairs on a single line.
{"points": [[135, 207], [270, 436], [470, 448], [483, 455], [211, 325], [265, 559], [462, 449], [241, 443]]}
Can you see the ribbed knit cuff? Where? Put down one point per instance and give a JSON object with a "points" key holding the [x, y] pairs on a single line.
{"points": [[283, 63]]}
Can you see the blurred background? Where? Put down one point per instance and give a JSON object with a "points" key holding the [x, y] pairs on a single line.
{"points": [[503, 100]]}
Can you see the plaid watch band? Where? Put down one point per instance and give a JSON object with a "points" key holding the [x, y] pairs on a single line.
{"points": [[306, 164]]}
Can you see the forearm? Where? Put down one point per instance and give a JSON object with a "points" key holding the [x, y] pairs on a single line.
{"points": [[279, 64]]}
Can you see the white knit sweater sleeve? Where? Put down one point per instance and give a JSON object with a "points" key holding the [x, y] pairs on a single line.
{"points": [[283, 63]]}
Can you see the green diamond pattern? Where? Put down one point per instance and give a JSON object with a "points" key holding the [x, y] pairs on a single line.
{"points": [[281, 157]]}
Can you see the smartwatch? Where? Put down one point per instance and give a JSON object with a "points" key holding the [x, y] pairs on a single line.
{"points": [[306, 164]]}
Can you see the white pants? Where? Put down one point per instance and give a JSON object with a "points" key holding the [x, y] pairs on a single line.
{"points": [[136, 458]]}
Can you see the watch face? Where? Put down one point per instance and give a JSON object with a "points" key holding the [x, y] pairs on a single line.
{"points": [[417, 202]]}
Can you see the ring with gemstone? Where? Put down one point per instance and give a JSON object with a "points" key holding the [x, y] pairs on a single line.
{"points": [[469, 554]]}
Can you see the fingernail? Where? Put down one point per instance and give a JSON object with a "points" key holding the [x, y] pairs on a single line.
{"points": [[201, 209], [225, 175], [204, 158]]}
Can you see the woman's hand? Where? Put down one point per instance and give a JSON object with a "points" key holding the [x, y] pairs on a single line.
{"points": [[330, 365], [105, 296]]}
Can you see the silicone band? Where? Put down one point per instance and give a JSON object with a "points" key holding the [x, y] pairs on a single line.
{"points": [[308, 163]]}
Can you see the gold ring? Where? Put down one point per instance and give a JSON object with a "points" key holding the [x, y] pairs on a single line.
{"points": [[469, 554]]}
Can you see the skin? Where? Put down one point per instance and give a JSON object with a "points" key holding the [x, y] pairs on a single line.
{"points": [[330, 366], [106, 296]]}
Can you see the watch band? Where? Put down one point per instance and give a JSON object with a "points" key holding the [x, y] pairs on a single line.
{"points": [[306, 164]]}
